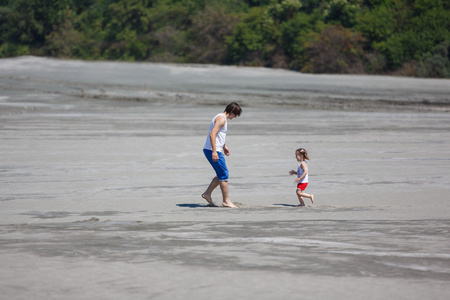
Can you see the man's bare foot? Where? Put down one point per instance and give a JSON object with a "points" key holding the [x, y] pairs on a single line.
{"points": [[229, 204], [301, 205], [312, 198], [209, 199]]}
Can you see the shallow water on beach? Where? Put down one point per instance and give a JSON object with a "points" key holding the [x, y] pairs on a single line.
{"points": [[102, 172]]}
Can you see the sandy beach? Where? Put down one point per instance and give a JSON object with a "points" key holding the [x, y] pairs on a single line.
{"points": [[102, 170]]}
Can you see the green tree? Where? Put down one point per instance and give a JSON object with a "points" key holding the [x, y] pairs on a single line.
{"points": [[29, 21], [308, 35], [26, 23], [127, 14], [436, 64], [283, 10], [252, 3], [65, 40], [336, 50], [296, 33], [376, 25], [342, 12], [253, 39], [209, 29], [128, 22], [172, 20], [428, 26]]}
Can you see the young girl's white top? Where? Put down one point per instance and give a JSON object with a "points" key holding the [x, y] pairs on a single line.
{"points": [[300, 173]]}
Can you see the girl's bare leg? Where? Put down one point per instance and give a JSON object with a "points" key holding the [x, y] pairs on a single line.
{"points": [[300, 198], [301, 194], [207, 194]]}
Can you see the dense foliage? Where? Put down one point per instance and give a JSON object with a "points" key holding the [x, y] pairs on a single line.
{"points": [[404, 37]]}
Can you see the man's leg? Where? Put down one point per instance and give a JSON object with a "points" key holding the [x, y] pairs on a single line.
{"points": [[207, 194], [226, 200]]}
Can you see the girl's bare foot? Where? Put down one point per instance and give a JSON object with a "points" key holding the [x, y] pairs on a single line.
{"points": [[312, 198], [209, 199], [302, 202], [229, 204]]}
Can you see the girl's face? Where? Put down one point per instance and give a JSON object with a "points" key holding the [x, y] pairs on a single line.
{"points": [[299, 156]]}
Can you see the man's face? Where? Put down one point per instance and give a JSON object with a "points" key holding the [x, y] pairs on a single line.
{"points": [[231, 116]]}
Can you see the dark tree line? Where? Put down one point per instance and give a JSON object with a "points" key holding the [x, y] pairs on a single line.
{"points": [[403, 37]]}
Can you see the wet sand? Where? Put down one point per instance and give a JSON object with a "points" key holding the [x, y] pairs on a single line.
{"points": [[102, 172]]}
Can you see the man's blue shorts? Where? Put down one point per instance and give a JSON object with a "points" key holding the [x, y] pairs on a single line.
{"points": [[219, 166]]}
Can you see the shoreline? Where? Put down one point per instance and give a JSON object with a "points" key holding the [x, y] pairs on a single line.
{"points": [[211, 85]]}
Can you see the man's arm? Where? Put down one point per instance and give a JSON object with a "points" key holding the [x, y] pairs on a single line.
{"points": [[218, 123], [226, 151]]}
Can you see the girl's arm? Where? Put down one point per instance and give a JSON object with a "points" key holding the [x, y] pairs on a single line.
{"points": [[292, 172]]}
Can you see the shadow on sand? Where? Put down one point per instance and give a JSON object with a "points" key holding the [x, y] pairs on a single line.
{"points": [[286, 205], [194, 205]]}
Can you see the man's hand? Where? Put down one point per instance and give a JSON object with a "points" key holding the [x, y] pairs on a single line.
{"points": [[215, 156], [226, 151]]}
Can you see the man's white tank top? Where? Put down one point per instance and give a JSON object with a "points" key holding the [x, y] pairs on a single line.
{"points": [[220, 137], [300, 173]]}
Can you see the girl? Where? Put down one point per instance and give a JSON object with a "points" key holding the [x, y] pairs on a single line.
{"points": [[302, 175]]}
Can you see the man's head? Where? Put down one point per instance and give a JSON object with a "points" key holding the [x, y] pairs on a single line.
{"points": [[233, 108]]}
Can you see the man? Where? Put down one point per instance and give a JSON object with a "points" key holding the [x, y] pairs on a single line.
{"points": [[215, 149]]}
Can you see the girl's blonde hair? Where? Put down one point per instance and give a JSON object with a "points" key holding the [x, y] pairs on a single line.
{"points": [[302, 152]]}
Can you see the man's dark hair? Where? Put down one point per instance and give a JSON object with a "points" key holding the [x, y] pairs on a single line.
{"points": [[234, 108]]}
